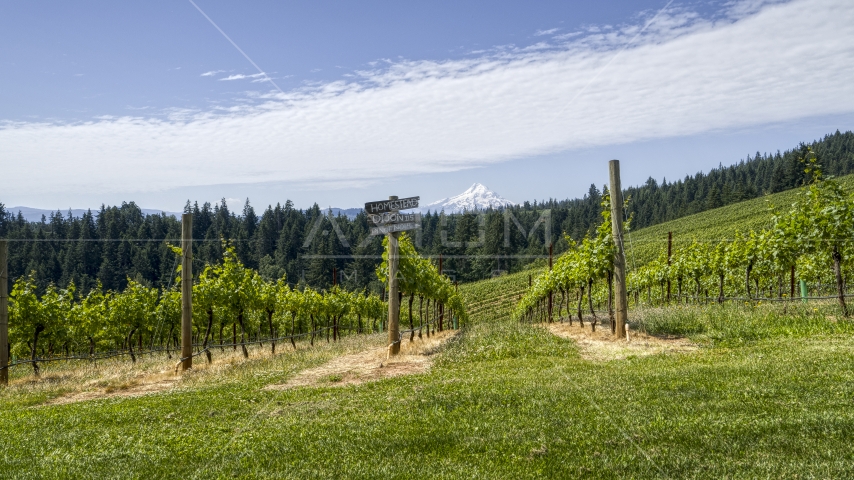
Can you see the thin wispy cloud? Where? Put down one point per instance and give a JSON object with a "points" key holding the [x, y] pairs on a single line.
{"points": [[232, 42], [685, 74], [567, 36], [240, 76], [550, 31], [212, 73]]}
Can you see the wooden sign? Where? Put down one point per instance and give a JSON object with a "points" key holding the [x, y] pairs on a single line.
{"points": [[394, 227], [385, 215], [394, 217], [383, 206]]}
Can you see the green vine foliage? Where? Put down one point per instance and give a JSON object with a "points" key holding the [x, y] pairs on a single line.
{"points": [[811, 240], [60, 323], [419, 277], [583, 265]]}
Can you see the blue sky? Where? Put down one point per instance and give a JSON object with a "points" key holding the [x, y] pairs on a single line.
{"points": [[102, 102], [79, 60]]}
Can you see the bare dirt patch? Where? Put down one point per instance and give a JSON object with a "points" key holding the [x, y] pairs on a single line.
{"points": [[371, 365], [602, 346], [135, 387]]}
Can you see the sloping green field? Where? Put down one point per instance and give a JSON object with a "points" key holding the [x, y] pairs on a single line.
{"points": [[503, 400]]}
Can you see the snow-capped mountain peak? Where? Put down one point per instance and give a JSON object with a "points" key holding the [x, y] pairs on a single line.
{"points": [[477, 197]]}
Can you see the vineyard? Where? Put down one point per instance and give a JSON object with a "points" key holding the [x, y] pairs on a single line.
{"points": [[809, 241], [234, 307], [646, 244], [764, 391], [418, 277]]}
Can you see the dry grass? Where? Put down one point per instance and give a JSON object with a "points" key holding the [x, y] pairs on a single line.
{"points": [[602, 346], [76, 381], [63, 383], [134, 388], [371, 365]]}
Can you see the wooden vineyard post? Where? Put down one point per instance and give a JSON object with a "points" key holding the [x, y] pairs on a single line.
{"points": [[551, 294], [792, 284], [621, 298], [456, 322], [393, 292], [4, 313], [669, 254], [441, 305], [385, 214], [187, 291]]}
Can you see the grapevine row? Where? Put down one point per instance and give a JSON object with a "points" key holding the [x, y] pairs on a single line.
{"points": [[811, 239], [225, 295], [418, 277]]}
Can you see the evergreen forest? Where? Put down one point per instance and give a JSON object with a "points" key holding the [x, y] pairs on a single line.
{"points": [[117, 244]]}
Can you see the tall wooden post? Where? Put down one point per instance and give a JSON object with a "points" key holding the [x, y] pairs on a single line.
{"points": [[441, 305], [187, 291], [621, 298], [393, 292], [4, 313], [551, 294], [792, 284], [669, 254]]}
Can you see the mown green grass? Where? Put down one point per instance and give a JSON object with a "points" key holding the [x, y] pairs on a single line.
{"points": [[734, 324], [503, 400]]}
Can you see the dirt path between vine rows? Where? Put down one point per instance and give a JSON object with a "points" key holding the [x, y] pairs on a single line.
{"points": [[602, 346], [135, 387], [371, 365]]}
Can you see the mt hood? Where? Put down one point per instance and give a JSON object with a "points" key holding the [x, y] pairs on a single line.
{"points": [[477, 197]]}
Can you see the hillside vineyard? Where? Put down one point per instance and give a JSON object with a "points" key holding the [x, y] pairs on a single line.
{"points": [[808, 241], [230, 300]]}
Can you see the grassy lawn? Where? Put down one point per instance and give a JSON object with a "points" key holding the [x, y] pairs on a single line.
{"points": [[502, 401]]}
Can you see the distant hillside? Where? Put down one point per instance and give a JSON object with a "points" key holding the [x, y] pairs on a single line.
{"points": [[35, 214], [751, 178], [653, 203], [350, 213]]}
